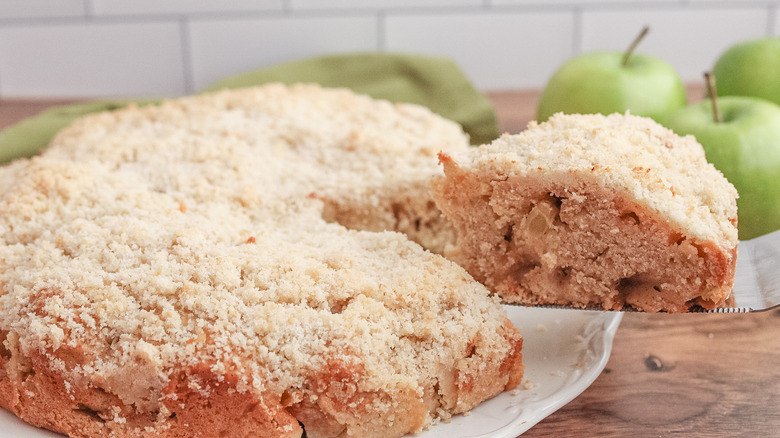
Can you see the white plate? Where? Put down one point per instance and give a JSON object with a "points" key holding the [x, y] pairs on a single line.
{"points": [[563, 351]]}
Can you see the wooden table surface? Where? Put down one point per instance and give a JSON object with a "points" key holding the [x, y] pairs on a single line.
{"points": [[668, 375]]}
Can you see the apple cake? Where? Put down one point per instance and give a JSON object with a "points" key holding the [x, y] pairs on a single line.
{"points": [[182, 270], [610, 212]]}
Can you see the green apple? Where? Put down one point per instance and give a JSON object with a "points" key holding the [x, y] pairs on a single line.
{"points": [[745, 147], [609, 82], [750, 68]]}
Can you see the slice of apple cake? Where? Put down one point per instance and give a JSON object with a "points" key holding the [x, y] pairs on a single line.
{"points": [[591, 210]]}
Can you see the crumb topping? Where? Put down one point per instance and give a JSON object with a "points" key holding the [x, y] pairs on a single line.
{"points": [[186, 233], [665, 172]]}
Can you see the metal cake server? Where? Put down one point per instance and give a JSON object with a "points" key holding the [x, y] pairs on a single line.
{"points": [[757, 282]]}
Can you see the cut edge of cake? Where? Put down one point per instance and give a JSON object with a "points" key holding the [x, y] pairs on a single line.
{"points": [[593, 211]]}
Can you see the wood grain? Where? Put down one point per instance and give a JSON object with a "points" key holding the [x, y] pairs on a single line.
{"points": [[669, 375], [690, 375]]}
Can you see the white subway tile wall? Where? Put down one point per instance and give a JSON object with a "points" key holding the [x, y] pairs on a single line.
{"points": [[775, 26], [380, 4], [107, 48], [91, 58], [226, 47], [42, 8], [163, 7], [496, 50], [691, 39]]}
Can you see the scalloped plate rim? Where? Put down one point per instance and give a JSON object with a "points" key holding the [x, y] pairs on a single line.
{"points": [[555, 385]]}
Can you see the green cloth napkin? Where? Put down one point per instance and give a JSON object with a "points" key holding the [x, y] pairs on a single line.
{"points": [[436, 83], [31, 135]]}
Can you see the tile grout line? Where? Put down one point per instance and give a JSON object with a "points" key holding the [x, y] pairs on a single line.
{"points": [[287, 9], [381, 29], [186, 56], [576, 34], [93, 13], [89, 10]]}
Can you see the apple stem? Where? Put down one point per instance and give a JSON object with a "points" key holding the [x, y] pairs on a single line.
{"points": [[713, 92], [634, 43]]}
